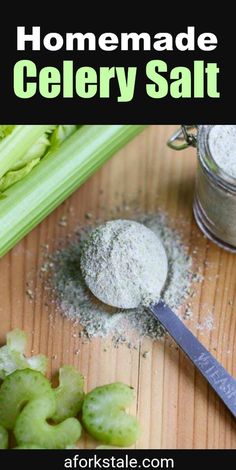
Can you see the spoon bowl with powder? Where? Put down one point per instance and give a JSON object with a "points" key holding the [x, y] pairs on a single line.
{"points": [[124, 264]]}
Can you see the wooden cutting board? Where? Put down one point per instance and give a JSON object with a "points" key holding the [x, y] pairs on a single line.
{"points": [[175, 406]]}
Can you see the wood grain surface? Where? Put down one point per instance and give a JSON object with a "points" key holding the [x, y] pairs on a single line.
{"points": [[174, 404]]}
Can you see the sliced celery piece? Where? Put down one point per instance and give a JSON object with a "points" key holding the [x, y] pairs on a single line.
{"points": [[69, 394], [36, 446], [29, 446], [31, 426], [3, 438], [12, 355], [18, 389], [105, 418], [17, 340], [10, 361], [39, 363]]}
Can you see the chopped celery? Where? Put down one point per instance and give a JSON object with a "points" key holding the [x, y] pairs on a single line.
{"points": [[29, 446], [39, 363], [72, 446], [10, 361], [36, 446], [12, 355], [3, 438], [31, 425], [28, 401], [18, 389], [17, 340], [104, 415], [107, 447], [69, 394]]}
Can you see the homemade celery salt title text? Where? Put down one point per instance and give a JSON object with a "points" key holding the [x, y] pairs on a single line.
{"points": [[71, 79]]}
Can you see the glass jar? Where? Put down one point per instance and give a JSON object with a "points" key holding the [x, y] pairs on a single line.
{"points": [[214, 204]]}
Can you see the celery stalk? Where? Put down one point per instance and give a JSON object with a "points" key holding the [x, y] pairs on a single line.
{"points": [[58, 174], [15, 145]]}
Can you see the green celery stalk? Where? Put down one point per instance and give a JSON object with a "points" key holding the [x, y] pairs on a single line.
{"points": [[58, 174], [15, 145]]}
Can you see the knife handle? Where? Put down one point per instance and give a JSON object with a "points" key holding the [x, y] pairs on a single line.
{"points": [[220, 380]]}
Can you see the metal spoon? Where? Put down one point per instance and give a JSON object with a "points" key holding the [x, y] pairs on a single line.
{"points": [[220, 380]]}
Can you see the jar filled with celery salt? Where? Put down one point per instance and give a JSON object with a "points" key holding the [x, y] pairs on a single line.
{"points": [[215, 191]]}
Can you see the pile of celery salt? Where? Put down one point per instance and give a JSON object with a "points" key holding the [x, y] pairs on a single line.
{"points": [[66, 285]]}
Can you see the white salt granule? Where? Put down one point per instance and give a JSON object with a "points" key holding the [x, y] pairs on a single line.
{"points": [[207, 324], [222, 145]]}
